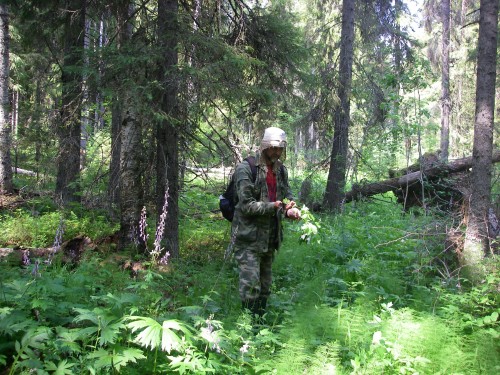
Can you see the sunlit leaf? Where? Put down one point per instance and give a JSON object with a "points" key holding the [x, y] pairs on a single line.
{"points": [[153, 335]]}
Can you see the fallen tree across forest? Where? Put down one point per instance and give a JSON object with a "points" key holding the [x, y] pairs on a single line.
{"points": [[23, 171], [408, 186]]}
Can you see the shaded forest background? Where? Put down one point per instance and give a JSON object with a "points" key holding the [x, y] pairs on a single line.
{"points": [[112, 104]]}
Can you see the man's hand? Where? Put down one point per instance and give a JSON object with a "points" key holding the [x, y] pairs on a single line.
{"points": [[291, 210], [293, 213], [289, 205], [279, 204]]}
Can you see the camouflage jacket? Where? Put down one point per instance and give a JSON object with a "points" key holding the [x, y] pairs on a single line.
{"points": [[255, 218]]}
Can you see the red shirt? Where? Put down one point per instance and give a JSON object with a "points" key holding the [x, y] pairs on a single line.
{"points": [[271, 184]]}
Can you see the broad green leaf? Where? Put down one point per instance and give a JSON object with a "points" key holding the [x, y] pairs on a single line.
{"points": [[154, 335], [35, 338], [62, 368], [169, 339], [4, 311], [149, 336], [126, 356], [84, 314], [102, 357], [117, 358], [110, 332], [84, 333]]}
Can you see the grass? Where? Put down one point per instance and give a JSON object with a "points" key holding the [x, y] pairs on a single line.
{"points": [[365, 296]]}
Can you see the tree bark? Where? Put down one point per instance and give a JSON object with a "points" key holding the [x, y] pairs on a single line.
{"points": [[445, 81], [476, 236], [130, 142], [114, 165], [167, 136], [69, 128], [6, 184], [130, 177], [85, 111], [334, 193], [123, 34]]}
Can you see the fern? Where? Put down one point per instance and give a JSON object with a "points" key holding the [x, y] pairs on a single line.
{"points": [[325, 360]]}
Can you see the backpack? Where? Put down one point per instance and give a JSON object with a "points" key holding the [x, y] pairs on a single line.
{"points": [[227, 200]]}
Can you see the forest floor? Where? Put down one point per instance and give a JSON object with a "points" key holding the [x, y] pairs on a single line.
{"points": [[9, 201], [374, 291]]}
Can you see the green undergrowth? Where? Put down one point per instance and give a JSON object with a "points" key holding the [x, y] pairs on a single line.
{"points": [[36, 223], [372, 292], [369, 299]]}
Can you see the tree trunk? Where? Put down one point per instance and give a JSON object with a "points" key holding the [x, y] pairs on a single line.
{"points": [[99, 104], [130, 177], [85, 112], [69, 128], [14, 125], [334, 193], [445, 81], [167, 136], [114, 165], [6, 185], [38, 128], [127, 137], [476, 237], [123, 34]]}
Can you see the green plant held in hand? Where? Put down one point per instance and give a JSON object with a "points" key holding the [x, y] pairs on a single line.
{"points": [[308, 226]]}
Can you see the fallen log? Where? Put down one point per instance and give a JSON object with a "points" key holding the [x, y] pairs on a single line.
{"points": [[427, 160], [70, 252], [392, 184], [23, 172]]}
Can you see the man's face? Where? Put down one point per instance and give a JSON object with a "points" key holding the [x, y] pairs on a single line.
{"points": [[273, 153]]}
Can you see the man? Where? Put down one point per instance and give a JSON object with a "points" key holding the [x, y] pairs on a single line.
{"points": [[256, 225]]}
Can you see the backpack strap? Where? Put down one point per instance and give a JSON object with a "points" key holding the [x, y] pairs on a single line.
{"points": [[251, 161], [282, 171]]}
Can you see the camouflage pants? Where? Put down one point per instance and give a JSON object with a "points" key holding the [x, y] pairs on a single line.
{"points": [[255, 269]]}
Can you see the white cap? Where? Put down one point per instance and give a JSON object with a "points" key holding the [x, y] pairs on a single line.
{"points": [[273, 137]]}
